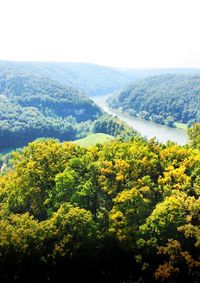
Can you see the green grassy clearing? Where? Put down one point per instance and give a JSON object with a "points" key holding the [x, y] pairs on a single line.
{"points": [[94, 139]]}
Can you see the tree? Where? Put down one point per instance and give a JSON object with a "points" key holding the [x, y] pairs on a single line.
{"points": [[194, 136], [169, 121]]}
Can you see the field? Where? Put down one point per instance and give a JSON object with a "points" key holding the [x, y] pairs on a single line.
{"points": [[94, 139]]}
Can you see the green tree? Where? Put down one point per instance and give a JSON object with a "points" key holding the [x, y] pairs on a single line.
{"points": [[194, 136]]}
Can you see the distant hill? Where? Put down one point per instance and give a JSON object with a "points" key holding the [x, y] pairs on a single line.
{"points": [[164, 99], [144, 73], [33, 106], [90, 78], [48, 96]]}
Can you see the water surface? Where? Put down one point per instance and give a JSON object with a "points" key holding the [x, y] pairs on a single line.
{"points": [[148, 129]]}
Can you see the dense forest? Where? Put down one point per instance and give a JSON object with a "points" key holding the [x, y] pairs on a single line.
{"points": [[163, 99], [89, 78], [32, 107], [121, 212]]}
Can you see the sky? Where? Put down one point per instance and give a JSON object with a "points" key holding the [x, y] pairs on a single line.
{"points": [[119, 33]]}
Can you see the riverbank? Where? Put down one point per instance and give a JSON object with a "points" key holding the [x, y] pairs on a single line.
{"points": [[146, 128]]}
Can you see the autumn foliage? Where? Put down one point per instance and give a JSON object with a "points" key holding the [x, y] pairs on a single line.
{"points": [[118, 212]]}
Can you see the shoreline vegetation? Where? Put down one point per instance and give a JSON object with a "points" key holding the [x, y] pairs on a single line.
{"points": [[177, 125], [171, 99]]}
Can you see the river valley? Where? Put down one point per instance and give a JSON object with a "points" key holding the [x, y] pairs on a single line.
{"points": [[148, 129]]}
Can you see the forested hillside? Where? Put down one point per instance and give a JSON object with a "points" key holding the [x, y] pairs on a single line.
{"points": [[49, 97], [164, 99], [114, 213], [90, 78], [32, 107]]}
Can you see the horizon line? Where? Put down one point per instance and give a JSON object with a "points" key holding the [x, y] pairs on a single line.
{"points": [[92, 63]]}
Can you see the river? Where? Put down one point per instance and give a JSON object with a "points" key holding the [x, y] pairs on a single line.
{"points": [[145, 128]]}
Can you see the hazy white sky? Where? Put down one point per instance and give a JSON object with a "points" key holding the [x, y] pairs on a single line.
{"points": [[126, 33]]}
